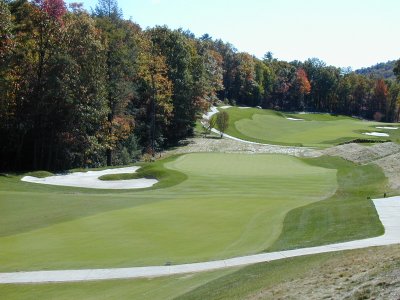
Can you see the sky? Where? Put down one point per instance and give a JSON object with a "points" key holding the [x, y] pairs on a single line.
{"points": [[343, 33]]}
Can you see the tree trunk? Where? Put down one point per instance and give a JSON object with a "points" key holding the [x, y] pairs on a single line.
{"points": [[109, 157]]}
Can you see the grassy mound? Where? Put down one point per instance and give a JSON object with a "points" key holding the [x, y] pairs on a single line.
{"points": [[316, 130], [39, 174]]}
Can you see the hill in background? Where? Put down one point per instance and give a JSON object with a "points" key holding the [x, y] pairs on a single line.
{"points": [[381, 70]]}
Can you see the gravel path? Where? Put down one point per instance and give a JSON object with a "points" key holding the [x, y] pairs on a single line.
{"points": [[388, 210], [226, 145]]}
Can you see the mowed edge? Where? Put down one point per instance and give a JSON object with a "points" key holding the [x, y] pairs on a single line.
{"points": [[317, 130], [208, 216]]}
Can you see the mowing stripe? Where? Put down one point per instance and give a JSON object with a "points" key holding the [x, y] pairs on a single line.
{"points": [[388, 210]]}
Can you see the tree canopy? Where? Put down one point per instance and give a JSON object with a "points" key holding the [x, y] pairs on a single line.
{"points": [[84, 89]]}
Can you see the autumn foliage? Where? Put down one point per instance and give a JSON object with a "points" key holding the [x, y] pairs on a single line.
{"points": [[80, 89]]}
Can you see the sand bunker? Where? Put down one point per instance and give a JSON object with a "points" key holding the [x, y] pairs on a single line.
{"points": [[244, 107], [376, 134], [293, 119], [389, 128], [225, 107], [91, 180]]}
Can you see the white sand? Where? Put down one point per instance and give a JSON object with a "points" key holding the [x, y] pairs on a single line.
{"points": [[91, 180], [389, 128], [225, 106], [293, 119], [244, 107], [376, 134], [388, 210]]}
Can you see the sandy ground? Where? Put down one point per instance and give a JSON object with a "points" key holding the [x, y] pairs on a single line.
{"points": [[372, 273], [226, 145], [91, 180], [390, 128], [381, 134], [388, 210], [294, 119]]}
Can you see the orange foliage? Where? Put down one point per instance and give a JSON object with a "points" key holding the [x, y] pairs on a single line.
{"points": [[304, 83]]}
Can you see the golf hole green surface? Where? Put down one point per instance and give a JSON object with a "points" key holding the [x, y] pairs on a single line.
{"points": [[315, 130]]}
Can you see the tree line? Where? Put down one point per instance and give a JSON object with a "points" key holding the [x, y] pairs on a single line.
{"points": [[84, 89]]}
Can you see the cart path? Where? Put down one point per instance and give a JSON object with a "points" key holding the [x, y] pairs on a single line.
{"points": [[388, 210]]}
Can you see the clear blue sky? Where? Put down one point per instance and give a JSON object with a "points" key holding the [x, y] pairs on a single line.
{"points": [[343, 33]]}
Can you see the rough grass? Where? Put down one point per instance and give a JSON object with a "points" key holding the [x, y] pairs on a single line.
{"points": [[39, 174], [317, 130], [229, 205], [352, 274], [340, 217]]}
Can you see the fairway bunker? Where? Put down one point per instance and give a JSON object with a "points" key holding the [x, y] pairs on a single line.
{"points": [[91, 180], [380, 134], [388, 128], [294, 119]]}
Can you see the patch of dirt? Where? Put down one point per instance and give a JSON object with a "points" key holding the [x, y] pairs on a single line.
{"points": [[225, 145], [386, 156], [372, 273]]}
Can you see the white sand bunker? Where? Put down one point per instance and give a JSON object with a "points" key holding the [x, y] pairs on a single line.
{"points": [[294, 119], [244, 107], [225, 107], [376, 134], [91, 180], [389, 128]]}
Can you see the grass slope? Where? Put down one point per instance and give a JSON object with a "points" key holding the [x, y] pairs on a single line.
{"points": [[318, 130], [229, 205], [347, 215], [342, 275], [357, 274]]}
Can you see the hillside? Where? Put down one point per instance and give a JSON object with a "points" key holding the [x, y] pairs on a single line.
{"points": [[381, 70]]}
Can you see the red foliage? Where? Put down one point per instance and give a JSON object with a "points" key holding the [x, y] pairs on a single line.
{"points": [[304, 83], [53, 8]]}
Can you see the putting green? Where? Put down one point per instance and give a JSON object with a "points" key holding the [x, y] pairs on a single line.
{"points": [[230, 205], [316, 130]]}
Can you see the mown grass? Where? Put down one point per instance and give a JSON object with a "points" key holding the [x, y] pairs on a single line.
{"points": [[317, 130], [347, 215], [225, 205], [154, 288], [241, 203]]}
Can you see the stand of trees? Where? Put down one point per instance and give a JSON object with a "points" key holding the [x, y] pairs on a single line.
{"points": [[88, 89]]}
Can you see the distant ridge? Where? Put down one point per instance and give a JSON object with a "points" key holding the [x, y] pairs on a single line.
{"points": [[381, 70]]}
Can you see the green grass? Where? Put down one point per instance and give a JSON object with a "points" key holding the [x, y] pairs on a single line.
{"points": [[340, 217], [124, 176], [156, 288], [207, 206], [294, 273], [247, 281], [318, 130], [229, 205], [39, 174]]}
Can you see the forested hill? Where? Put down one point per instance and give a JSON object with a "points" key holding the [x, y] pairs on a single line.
{"points": [[381, 70], [87, 89]]}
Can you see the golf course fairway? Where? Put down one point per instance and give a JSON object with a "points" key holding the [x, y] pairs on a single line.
{"points": [[312, 130], [229, 205]]}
